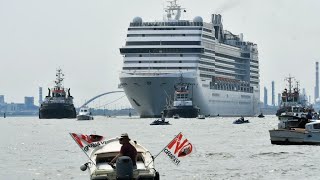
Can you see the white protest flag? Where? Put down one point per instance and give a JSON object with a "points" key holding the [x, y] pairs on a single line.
{"points": [[178, 148], [88, 143]]}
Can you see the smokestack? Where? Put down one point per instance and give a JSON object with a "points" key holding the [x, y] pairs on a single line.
{"points": [[272, 93], [316, 89], [40, 96], [265, 97]]}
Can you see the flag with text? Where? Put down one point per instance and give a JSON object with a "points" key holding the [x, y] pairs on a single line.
{"points": [[89, 143], [178, 148]]}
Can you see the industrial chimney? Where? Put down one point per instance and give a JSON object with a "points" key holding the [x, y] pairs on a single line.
{"points": [[40, 96], [316, 89], [272, 93]]}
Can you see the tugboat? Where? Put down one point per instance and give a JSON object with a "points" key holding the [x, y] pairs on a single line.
{"points": [[59, 103], [291, 98], [182, 105]]}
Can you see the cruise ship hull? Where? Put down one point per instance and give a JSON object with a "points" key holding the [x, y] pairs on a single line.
{"points": [[148, 95]]}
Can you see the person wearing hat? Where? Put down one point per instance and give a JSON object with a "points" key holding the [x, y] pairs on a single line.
{"points": [[127, 149]]}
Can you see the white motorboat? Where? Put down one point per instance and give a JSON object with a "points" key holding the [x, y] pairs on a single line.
{"points": [[310, 135], [201, 116], [295, 127], [99, 167], [84, 114]]}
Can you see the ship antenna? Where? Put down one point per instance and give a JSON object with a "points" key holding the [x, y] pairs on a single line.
{"points": [[173, 9], [289, 79], [59, 78]]}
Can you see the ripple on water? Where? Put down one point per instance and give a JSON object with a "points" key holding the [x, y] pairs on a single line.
{"points": [[219, 155]]}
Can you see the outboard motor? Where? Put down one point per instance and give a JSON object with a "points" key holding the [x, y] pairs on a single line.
{"points": [[124, 168]]}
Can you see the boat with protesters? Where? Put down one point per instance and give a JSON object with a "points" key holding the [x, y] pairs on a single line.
{"points": [[102, 151], [298, 123]]}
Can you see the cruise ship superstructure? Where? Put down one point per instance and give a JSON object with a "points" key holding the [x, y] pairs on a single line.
{"points": [[221, 66]]}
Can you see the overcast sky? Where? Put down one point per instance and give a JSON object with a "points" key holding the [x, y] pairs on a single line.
{"points": [[83, 37]]}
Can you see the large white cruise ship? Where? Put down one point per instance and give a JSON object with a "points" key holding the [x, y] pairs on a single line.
{"points": [[222, 68]]}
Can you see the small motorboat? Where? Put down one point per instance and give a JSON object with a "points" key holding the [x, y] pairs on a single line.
{"points": [[100, 168], [160, 122], [261, 116], [84, 114], [176, 116], [240, 121], [200, 116]]}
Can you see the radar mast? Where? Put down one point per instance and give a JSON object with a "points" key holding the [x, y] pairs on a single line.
{"points": [[173, 11]]}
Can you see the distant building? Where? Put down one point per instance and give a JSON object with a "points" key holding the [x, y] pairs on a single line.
{"points": [[265, 101], [29, 102], [2, 100]]}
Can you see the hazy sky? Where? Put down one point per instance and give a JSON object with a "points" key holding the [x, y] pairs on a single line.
{"points": [[83, 37]]}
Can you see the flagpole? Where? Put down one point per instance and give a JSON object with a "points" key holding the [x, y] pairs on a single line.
{"points": [[163, 148], [83, 151]]}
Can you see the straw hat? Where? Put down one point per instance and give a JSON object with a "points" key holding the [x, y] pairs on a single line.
{"points": [[124, 136]]}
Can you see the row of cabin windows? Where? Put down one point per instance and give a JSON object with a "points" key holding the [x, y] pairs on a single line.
{"points": [[253, 66], [161, 55], [237, 64], [163, 35], [208, 37], [207, 30], [206, 69], [157, 68], [254, 77], [209, 51], [147, 62], [238, 59], [207, 63], [231, 69], [133, 43], [207, 57], [256, 72], [161, 50], [254, 61], [175, 23]]}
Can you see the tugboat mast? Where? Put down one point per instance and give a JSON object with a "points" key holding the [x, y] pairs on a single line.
{"points": [[59, 79]]}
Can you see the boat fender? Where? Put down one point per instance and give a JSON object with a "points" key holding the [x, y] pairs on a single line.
{"points": [[157, 177], [84, 167], [124, 168]]}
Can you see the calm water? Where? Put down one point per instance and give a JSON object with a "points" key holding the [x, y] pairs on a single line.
{"points": [[42, 149]]}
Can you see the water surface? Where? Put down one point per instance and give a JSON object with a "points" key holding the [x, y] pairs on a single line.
{"points": [[43, 149]]}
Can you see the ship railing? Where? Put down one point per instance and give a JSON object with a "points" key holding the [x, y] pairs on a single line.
{"points": [[177, 23]]}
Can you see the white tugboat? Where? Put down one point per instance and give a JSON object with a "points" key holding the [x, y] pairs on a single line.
{"points": [[182, 105]]}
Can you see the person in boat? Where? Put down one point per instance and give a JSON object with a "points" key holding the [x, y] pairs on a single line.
{"points": [[309, 115], [127, 149], [241, 119]]}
